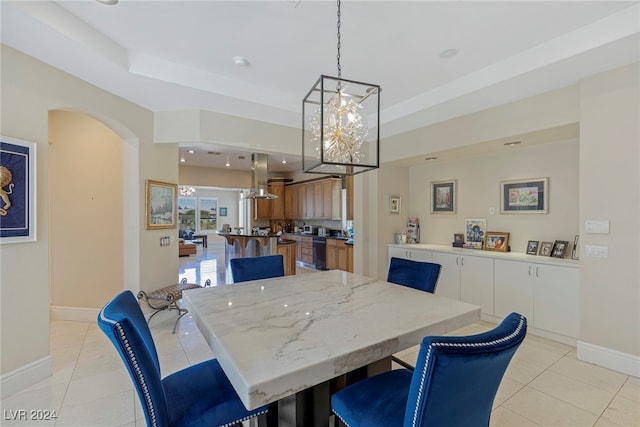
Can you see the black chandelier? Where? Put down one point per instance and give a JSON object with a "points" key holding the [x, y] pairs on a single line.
{"points": [[341, 125]]}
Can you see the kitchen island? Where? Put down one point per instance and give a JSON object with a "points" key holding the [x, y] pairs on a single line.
{"points": [[238, 245]]}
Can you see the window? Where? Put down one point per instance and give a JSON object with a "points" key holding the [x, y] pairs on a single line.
{"points": [[197, 213], [208, 209]]}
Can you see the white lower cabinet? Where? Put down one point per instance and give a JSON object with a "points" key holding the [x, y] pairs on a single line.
{"points": [[466, 278], [412, 254], [547, 295]]}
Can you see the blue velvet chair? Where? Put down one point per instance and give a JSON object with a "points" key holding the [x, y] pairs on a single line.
{"points": [[414, 274], [454, 383], [200, 395], [255, 268]]}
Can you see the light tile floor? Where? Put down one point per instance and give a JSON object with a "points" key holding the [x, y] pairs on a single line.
{"points": [[545, 385]]}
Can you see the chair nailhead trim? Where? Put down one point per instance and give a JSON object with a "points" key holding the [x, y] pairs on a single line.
{"points": [[446, 344], [233, 423]]}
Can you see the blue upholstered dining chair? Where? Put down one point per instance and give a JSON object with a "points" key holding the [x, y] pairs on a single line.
{"points": [[255, 268], [454, 383], [414, 274], [200, 395]]}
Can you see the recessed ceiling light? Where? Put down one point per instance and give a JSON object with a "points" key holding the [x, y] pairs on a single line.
{"points": [[182, 160], [430, 158], [512, 143], [191, 151], [215, 153], [284, 161], [241, 157], [241, 61], [449, 53]]}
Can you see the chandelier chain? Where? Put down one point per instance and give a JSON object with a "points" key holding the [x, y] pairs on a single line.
{"points": [[338, 56]]}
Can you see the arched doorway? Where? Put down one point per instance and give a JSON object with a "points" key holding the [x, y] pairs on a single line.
{"points": [[93, 209]]}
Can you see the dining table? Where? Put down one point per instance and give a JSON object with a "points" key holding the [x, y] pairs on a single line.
{"points": [[287, 339]]}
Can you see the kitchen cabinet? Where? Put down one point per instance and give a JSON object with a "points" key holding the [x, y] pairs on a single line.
{"points": [[288, 252], [306, 253], [409, 253], [336, 255], [548, 295], [349, 258], [320, 199], [349, 186], [466, 278], [271, 208]]}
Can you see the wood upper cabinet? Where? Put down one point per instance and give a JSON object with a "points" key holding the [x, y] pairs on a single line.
{"points": [[349, 186], [271, 208], [277, 205], [314, 200]]}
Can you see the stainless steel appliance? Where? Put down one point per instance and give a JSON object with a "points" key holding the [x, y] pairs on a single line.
{"points": [[320, 252], [310, 229]]}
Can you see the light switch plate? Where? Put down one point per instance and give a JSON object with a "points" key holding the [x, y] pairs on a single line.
{"points": [[592, 226], [593, 251]]}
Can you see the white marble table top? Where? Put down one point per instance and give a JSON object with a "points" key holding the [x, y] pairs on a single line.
{"points": [[278, 336]]}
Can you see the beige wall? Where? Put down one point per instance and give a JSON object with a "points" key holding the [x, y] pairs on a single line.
{"points": [[86, 238], [210, 177], [610, 190], [30, 90], [478, 183]]}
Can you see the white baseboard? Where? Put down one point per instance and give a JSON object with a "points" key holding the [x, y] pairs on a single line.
{"points": [[25, 376], [76, 314], [608, 358]]}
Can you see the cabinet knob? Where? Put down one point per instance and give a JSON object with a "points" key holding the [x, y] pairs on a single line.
{"points": [[462, 261]]}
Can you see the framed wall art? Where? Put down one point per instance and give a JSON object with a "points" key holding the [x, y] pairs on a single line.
{"points": [[524, 196], [496, 241], [394, 204], [223, 211], [17, 191], [559, 248], [443, 197], [161, 205], [532, 247]]}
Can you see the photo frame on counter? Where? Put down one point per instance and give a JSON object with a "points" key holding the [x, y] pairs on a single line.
{"points": [[17, 190], [162, 209], [559, 248], [575, 252], [545, 249], [532, 247], [475, 229], [443, 197], [496, 241], [394, 204], [524, 196]]}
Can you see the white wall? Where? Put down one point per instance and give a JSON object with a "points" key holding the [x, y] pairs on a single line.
{"points": [[610, 190], [478, 184], [85, 211], [30, 89]]}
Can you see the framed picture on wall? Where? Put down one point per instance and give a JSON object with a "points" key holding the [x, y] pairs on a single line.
{"points": [[223, 211], [443, 197], [17, 191], [162, 209], [524, 196]]}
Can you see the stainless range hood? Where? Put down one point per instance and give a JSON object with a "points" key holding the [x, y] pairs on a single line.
{"points": [[259, 184]]}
